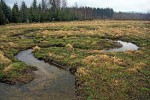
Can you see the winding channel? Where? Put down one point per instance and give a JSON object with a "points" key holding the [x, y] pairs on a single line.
{"points": [[51, 82]]}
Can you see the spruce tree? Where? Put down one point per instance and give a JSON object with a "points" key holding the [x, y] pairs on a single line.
{"points": [[6, 10], [44, 6], [15, 13], [34, 11], [34, 4], [23, 12], [53, 9], [2, 16]]}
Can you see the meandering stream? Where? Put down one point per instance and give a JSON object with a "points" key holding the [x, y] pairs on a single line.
{"points": [[51, 82]]}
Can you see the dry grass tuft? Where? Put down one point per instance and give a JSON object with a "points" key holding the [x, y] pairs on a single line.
{"points": [[96, 51], [73, 56], [70, 48], [4, 36], [104, 58], [2, 47], [89, 59], [12, 45], [45, 32], [8, 69], [120, 62], [36, 48], [50, 54], [3, 59], [137, 67], [97, 60], [138, 52], [82, 71]]}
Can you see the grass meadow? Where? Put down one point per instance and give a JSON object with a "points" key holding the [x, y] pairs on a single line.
{"points": [[79, 47]]}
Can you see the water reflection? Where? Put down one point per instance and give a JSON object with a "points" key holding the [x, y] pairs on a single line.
{"points": [[51, 83], [125, 46]]}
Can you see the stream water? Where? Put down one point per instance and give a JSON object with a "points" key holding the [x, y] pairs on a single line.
{"points": [[125, 46], [51, 82]]}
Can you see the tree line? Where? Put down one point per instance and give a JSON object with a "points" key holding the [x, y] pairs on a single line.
{"points": [[131, 16], [50, 10]]}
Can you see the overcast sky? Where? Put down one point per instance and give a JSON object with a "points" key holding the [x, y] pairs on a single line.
{"points": [[117, 5]]}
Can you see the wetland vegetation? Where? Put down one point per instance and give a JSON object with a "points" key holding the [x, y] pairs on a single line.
{"points": [[79, 47]]}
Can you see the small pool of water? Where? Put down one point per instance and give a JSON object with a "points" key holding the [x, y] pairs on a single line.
{"points": [[51, 83], [125, 46]]}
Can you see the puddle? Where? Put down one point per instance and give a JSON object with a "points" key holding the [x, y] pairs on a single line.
{"points": [[51, 83], [125, 46], [24, 37]]}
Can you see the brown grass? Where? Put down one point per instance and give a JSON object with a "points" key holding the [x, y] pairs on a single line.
{"points": [[36, 48], [8, 69], [3, 59], [137, 67]]}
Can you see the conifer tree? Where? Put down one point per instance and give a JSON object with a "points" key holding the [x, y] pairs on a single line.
{"points": [[23, 11], [34, 11], [6, 10], [2, 16], [15, 13]]}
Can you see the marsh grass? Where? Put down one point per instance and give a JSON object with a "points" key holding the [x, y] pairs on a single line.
{"points": [[99, 75]]}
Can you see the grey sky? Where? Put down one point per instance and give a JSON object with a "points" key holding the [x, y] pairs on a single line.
{"points": [[117, 5]]}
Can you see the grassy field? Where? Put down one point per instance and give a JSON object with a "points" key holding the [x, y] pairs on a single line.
{"points": [[79, 47]]}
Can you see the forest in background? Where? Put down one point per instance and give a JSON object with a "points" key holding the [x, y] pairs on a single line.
{"points": [[57, 10], [52, 10]]}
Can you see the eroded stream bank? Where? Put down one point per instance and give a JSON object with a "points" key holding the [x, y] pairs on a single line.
{"points": [[51, 83]]}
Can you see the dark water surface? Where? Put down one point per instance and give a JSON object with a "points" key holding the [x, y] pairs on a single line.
{"points": [[51, 83]]}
